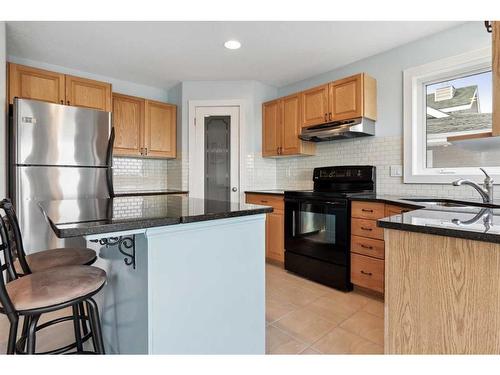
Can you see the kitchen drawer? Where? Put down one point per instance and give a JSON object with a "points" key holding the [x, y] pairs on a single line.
{"points": [[367, 210], [367, 272], [368, 246], [366, 228], [276, 201]]}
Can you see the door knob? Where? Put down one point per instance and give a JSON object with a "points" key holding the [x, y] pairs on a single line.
{"points": [[234, 189]]}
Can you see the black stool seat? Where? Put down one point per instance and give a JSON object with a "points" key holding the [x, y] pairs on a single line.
{"points": [[44, 260], [54, 287]]}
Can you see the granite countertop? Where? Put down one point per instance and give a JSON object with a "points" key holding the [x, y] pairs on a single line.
{"points": [[82, 217], [267, 192], [149, 192], [452, 218]]}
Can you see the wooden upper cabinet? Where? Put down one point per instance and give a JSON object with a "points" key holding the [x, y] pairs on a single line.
{"points": [[314, 104], [290, 130], [160, 129], [31, 83], [271, 128], [291, 127], [281, 124], [128, 121], [353, 97], [83, 92]]}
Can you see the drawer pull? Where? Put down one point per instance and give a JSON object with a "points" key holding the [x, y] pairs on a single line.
{"points": [[366, 210], [366, 246], [366, 273], [365, 228], [263, 201]]}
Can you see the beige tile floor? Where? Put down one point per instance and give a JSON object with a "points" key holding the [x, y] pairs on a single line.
{"points": [[303, 317]]}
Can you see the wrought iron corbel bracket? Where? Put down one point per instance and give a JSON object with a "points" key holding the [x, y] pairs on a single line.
{"points": [[489, 26], [125, 244]]}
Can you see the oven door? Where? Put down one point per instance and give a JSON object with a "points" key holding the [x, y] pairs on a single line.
{"points": [[318, 229]]}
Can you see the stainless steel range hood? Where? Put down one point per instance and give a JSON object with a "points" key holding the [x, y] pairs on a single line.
{"points": [[358, 127]]}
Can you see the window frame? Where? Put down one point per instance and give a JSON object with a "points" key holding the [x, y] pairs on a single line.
{"points": [[415, 80]]}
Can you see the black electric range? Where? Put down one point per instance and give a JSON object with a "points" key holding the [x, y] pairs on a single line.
{"points": [[317, 224]]}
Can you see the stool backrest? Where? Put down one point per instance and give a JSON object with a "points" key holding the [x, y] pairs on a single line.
{"points": [[7, 257], [10, 226]]}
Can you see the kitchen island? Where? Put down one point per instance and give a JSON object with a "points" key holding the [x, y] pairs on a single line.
{"points": [[185, 275], [442, 278]]}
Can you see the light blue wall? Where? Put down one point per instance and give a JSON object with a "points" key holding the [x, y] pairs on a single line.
{"points": [[119, 86], [388, 68], [252, 92], [3, 113]]}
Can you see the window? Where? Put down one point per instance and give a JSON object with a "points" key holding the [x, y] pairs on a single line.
{"points": [[448, 119]]}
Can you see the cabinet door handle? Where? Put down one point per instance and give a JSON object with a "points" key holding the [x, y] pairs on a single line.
{"points": [[366, 210], [326, 117], [365, 228], [281, 150], [366, 246], [146, 150], [330, 116], [62, 101], [366, 273], [68, 102]]}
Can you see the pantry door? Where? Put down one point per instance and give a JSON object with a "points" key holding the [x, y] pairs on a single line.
{"points": [[215, 173]]}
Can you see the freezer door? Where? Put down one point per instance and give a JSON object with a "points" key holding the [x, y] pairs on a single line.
{"points": [[54, 134], [52, 183]]}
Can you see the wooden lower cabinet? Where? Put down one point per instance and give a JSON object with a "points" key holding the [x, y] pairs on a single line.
{"points": [[367, 272], [275, 224], [275, 236], [367, 243]]}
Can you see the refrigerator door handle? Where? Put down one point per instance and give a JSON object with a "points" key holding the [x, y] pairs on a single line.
{"points": [[109, 162]]}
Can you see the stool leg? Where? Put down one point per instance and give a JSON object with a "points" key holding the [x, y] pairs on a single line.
{"points": [[24, 332], [95, 324], [85, 329], [32, 334], [11, 345], [76, 328]]}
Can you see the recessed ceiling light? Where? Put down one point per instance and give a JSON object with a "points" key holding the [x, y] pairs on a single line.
{"points": [[232, 44]]}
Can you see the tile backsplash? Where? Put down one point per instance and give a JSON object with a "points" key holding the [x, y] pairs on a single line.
{"points": [[134, 174], [382, 152]]}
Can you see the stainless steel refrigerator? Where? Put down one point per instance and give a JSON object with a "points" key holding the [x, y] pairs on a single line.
{"points": [[57, 152]]}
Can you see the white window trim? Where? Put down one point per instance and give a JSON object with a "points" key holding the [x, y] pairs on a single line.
{"points": [[415, 170]]}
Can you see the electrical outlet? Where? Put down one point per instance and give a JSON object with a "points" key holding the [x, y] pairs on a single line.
{"points": [[396, 170]]}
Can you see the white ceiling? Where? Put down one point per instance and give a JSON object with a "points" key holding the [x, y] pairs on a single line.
{"points": [[161, 54]]}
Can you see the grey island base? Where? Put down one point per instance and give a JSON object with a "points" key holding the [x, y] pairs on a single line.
{"points": [[185, 276]]}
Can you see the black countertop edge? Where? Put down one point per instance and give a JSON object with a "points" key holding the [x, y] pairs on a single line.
{"points": [[441, 231], [108, 228], [159, 192], [266, 192], [225, 215]]}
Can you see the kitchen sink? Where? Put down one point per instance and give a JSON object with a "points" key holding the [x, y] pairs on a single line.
{"points": [[440, 202], [449, 203]]}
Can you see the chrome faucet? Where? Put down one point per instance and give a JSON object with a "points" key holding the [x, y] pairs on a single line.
{"points": [[486, 191]]}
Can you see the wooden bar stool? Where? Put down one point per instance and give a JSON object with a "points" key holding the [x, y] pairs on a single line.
{"points": [[29, 294]]}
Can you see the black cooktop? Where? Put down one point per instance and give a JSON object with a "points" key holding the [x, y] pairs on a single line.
{"points": [[326, 194], [339, 182]]}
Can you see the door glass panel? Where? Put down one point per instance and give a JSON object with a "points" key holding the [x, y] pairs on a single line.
{"points": [[315, 224], [217, 161]]}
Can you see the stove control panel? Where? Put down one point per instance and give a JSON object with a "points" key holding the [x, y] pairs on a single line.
{"points": [[345, 173]]}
